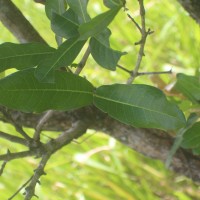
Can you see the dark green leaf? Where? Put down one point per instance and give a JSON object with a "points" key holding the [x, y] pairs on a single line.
{"points": [[97, 24], [191, 138], [64, 26], [189, 86], [103, 37], [22, 91], [56, 6], [139, 105], [64, 56], [80, 8], [179, 138], [103, 55], [21, 56]]}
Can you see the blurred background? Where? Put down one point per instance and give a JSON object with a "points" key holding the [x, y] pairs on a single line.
{"points": [[96, 166]]}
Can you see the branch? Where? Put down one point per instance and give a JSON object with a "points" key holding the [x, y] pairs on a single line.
{"points": [[17, 24], [83, 61], [41, 123], [30, 190], [11, 156], [142, 42], [192, 7], [18, 128], [13, 138]]}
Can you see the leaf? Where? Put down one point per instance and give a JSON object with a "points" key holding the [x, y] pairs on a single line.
{"points": [[63, 26], [80, 8], [139, 105], [179, 138], [56, 6], [103, 55], [113, 3], [104, 37], [21, 56], [63, 56], [97, 24], [189, 86], [191, 138], [22, 91]]}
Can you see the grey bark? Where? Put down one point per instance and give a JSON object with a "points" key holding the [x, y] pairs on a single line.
{"points": [[192, 7]]}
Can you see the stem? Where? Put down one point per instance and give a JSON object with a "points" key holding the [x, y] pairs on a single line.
{"points": [[142, 42], [83, 61]]}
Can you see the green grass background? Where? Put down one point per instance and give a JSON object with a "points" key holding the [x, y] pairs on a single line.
{"points": [[97, 167]]}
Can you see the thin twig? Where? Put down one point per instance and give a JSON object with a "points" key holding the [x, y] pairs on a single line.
{"points": [[136, 24], [142, 42], [12, 156], [30, 189], [41, 123], [23, 186], [124, 69], [4, 164], [18, 128], [83, 61], [150, 73], [13, 138]]}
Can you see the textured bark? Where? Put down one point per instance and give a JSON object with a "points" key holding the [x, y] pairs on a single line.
{"points": [[192, 7], [150, 142], [17, 24]]}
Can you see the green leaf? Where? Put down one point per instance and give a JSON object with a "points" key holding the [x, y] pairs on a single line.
{"points": [[179, 138], [191, 138], [64, 56], [97, 24], [104, 37], [139, 105], [22, 91], [113, 3], [56, 6], [21, 56], [189, 86], [63, 26], [80, 8], [103, 55]]}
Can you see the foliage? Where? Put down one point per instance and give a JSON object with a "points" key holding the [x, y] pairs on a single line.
{"points": [[82, 27]]}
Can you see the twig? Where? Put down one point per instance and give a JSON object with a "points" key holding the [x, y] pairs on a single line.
{"points": [[18, 128], [41, 123], [23, 186], [12, 156], [30, 189], [136, 24], [149, 73], [124, 69], [13, 138], [83, 61], [4, 164], [142, 42]]}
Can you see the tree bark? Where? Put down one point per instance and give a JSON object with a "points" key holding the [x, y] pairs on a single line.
{"points": [[192, 7], [150, 142]]}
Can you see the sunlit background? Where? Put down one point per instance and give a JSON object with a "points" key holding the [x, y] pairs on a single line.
{"points": [[97, 167]]}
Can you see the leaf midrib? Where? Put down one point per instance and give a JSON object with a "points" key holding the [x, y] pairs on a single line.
{"points": [[135, 106], [49, 90], [21, 55]]}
